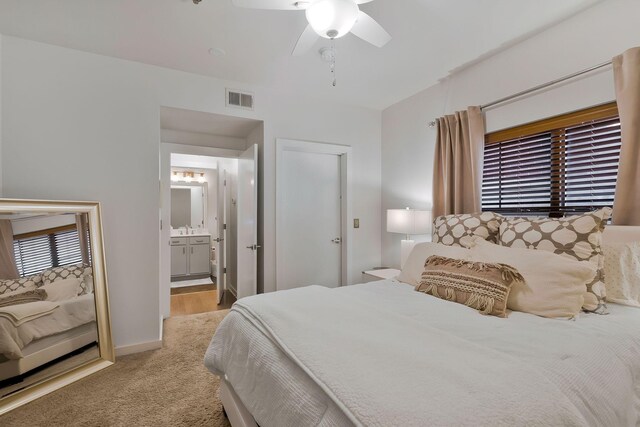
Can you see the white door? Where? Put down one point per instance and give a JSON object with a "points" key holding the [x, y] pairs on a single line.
{"points": [[199, 259], [219, 242], [178, 260], [309, 245], [247, 208]]}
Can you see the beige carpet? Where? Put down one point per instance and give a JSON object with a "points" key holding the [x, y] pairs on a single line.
{"points": [[167, 387]]}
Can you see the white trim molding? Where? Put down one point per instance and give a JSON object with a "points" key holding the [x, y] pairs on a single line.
{"points": [[345, 153], [138, 348]]}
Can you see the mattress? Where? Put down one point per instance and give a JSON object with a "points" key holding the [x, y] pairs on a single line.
{"points": [[593, 360]]}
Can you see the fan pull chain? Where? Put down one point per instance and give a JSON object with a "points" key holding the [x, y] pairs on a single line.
{"points": [[333, 63]]}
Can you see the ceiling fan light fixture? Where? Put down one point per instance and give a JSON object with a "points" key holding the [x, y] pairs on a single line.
{"points": [[332, 19]]}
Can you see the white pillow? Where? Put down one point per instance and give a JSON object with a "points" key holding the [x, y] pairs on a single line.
{"points": [[61, 290], [622, 273], [414, 266], [555, 286]]}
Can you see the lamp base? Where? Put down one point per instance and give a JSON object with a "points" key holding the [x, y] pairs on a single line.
{"points": [[405, 249]]}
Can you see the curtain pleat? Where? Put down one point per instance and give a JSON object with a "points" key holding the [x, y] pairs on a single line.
{"points": [[82, 225], [457, 172], [8, 269], [626, 72]]}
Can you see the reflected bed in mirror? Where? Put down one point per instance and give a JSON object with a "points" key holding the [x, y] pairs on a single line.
{"points": [[54, 316]]}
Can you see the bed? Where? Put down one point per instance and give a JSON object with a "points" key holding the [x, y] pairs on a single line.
{"points": [[69, 327], [382, 354]]}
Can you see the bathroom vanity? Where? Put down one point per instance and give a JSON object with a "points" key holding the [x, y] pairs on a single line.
{"points": [[190, 256]]}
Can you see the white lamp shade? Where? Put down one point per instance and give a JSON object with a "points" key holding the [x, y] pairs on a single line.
{"points": [[332, 18], [408, 221]]}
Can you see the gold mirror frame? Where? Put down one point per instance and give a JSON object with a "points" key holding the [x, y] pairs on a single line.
{"points": [[105, 342]]}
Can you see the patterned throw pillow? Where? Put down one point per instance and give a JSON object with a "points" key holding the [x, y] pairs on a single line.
{"points": [[60, 273], [577, 237], [459, 230], [479, 285], [24, 283]]}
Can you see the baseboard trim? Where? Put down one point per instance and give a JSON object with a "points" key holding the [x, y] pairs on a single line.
{"points": [[138, 348]]}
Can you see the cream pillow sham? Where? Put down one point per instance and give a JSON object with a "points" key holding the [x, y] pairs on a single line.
{"points": [[622, 273], [555, 286], [414, 266], [64, 289]]}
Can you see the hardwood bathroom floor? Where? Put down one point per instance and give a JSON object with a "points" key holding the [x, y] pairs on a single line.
{"points": [[198, 299]]}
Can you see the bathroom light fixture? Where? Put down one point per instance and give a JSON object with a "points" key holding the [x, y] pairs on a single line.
{"points": [[175, 177], [188, 176], [201, 178]]}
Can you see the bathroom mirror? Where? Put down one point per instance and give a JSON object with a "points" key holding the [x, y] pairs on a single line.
{"points": [[54, 309], [189, 205]]}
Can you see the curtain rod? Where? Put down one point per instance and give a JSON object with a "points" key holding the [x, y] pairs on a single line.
{"points": [[539, 87]]}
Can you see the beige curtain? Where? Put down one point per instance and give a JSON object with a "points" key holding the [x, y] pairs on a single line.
{"points": [[8, 269], [457, 172], [626, 72], [82, 224]]}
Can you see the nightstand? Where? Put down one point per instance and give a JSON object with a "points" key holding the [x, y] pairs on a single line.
{"points": [[379, 274]]}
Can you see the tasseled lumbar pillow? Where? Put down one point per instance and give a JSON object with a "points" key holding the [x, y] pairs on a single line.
{"points": [[480, 285]]}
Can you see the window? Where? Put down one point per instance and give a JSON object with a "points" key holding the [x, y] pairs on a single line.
{"points": [[556, 167], [47, 249]]}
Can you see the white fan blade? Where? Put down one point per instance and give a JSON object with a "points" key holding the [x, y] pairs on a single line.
{"points": [[272, 4], [306, 41], [370, 31], [363, 1]]}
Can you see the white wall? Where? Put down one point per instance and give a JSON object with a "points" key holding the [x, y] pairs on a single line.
{"points": [[230, 166], [83, 126], [202, 139], [587, 39], [211, 176]]}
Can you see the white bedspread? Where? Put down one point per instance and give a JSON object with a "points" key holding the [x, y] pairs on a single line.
{"points": [[70, 314], [382, 354]]}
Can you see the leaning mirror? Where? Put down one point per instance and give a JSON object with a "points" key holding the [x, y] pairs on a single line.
{"points": [[54, 310]]}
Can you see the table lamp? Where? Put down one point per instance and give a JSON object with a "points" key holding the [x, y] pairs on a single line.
{"points": [[408, 222]]}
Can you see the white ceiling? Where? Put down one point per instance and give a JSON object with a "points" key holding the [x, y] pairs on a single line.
{"points": [[208, 123], [430, 38]]}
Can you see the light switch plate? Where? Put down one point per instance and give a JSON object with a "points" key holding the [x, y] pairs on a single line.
{"points": [[356, 223]]}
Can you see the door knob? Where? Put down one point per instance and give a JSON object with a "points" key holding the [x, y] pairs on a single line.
{"points": [[254, 247], [218, 240], [337, 240]]}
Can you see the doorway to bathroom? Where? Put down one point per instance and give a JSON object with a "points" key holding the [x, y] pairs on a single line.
{"points": [[203, 232], [209, 197]]}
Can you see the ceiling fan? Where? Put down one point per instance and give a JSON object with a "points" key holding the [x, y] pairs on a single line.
{"points": [[330, 19]]}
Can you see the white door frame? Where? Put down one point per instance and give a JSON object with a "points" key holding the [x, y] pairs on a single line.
{"points": [[166, 149], [345, 154]]}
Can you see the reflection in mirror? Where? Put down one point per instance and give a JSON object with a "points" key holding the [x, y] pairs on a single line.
{"points": [[47, 307], [188, 205]]}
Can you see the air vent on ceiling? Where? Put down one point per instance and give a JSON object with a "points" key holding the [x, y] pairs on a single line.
{"points": [[239, 99]]}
